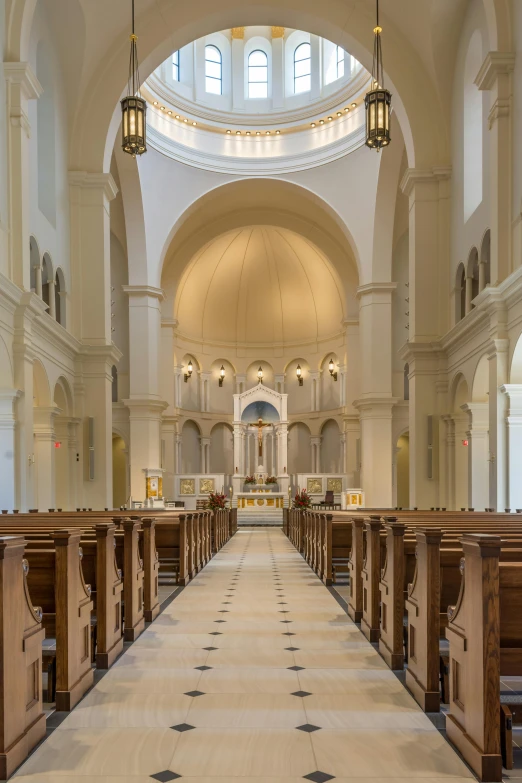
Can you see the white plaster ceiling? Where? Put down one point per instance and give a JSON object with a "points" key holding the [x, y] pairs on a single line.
{"points": [[259, 285]]}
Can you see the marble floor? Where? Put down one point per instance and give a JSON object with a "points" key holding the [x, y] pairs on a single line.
{"points": [[252, 673]]}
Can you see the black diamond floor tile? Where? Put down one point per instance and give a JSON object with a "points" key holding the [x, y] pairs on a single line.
{"points": [[281, 621], [296, 668], [211, 648], [319, 777], [288, 633], [187, 727], [194, 693], [203, 668], [297, 693], [165, 776], [215, 633], [220, 621], [292, 649], [309, 727]]}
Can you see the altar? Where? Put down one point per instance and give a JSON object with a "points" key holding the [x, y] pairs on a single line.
{"points": [[260, 506]]}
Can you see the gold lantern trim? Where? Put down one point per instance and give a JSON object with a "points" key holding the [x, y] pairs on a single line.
{"points": [[133, 106]]}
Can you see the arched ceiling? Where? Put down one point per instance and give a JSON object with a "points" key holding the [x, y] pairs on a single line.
{"points": [[259, 285]]}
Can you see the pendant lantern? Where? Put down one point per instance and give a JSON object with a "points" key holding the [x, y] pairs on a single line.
{"points": [[134, 107], [378, 99]]}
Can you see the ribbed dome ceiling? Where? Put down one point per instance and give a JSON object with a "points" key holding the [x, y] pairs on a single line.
{"points": [[259, 285]]}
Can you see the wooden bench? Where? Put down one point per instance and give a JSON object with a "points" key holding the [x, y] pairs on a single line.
{"points": [[22, 721]]}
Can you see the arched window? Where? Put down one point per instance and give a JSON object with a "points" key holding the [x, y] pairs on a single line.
{"points": [[175, 66], [485, 260], [35, 267], [460, 293], [406, 381], [473, 273], [114, 383], [339, 54], [59, 297], [213, 70], [302, 68], [47, 279], [257, 74]]}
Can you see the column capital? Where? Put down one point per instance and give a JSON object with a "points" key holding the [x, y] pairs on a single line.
{"points": [[23, 76], [414, 177], [278, 32], [238, 33], [169, 323], [494, 65], [144, 407], [370, 289], [375, 407], [100, 181]]}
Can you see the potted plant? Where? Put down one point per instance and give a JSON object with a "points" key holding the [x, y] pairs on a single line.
{"points": [[271, 480], [302, 500], [216, 501], [250, 480]]}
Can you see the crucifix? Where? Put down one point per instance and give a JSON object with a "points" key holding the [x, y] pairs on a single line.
{"points": [[259, 424]]}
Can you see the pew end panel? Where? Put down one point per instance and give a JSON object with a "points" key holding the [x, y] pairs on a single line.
{"points": [[109, 590], [133, 582], [355, 601], [370, 621], [22, 722], [151, 605], [391, 586]]}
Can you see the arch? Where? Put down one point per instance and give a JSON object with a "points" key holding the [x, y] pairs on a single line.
{"points": [[473, 127], [480, 386], [60, 296], [213, 70], [252, 378], [330, 447], [460, 293], [299, 448], [485, 259], [257, 74], [459, 392], [190, 447], [63, 396], [222, 448], [515, 375], [302, 68], [472, 273], [35, 265], [41, 386]]}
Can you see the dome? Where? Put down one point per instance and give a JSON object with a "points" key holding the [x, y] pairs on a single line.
{"points": [[259, 285]]}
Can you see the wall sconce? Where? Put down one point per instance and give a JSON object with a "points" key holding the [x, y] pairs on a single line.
{"points": [[260, 375], [221, 375], [190, 368], [331, 367], [299, 374]]}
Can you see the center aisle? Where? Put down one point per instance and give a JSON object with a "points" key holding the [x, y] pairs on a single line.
{"points": [[253, 673]]}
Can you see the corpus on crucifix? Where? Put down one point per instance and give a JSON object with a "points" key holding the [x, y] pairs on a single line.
{"points": [[260, 425]]}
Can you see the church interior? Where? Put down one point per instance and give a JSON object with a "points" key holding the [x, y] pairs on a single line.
{"points": [[260, 391]]}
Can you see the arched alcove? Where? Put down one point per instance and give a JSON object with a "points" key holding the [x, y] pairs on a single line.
{"points": [[299, 449], [473, 274], [460, 293], [485, 258], [47, 279], [190, 447], [330, 447], [35, 265], [60, 296], [222, 449]]}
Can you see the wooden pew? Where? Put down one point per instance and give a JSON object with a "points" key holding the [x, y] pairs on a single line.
{"points": [[151, 605], [485, 635], [355, 600], [391, 588], [22, 721], [133, 582], [56, 583], [370, 620]]}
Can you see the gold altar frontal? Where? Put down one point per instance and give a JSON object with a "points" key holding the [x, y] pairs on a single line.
{"points": [[260, 500]]}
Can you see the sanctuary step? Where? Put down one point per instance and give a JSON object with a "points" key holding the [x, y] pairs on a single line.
{"points": [[262, 516]]}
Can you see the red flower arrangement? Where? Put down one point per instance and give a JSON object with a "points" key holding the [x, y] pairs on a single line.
{"points": [[302, 499], [250, 480], [217, 501], [271, 480]]}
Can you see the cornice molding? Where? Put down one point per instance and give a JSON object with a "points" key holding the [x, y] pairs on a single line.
{"points": [[495, 64], [23, 75], [100, 181], [376, 288], [169, 323], [144, 290], [145, 404], [414, 177]]}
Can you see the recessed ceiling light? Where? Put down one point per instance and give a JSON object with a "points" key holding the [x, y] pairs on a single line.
{"points": [[247, 133], [321, 122], [354, 105], [267, 133], [162, 108], [194, 123], [347, 109], [169, 112], [277, 133], [258, 133], [229, 131], [238, 133], [185, 120], [339, 114], [177, 116], [312, 124], [330, 119], [155, 103]]}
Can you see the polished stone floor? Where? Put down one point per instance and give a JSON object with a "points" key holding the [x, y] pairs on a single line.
{"points": [[252, 673]]}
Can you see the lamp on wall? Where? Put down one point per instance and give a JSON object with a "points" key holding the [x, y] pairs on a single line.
{"points": [[378, 99], [221, 375], [190, 368], [260, 375], [299, 374], [133, 106], [331, 367]]}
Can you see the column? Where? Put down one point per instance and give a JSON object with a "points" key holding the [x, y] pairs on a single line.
{"points": [[205, 454], [238, 69], [205, 380], [280, 383], [240, 383], [90, 322], [177, 453], [342, 456], [273, 443], [448, 500], [352, 433], [21, 86], [315, 391], [429, 307], [74, 461], [7, 448], [44, 452], [145, 404], [498, 410], [469, 292], [482, 275], [38, 276], [478, 454], [495, 77], [316, 454], [513, 392], [278, 68], [52, 299], [178, 378], [168, 463], [167, 372], [376, 402]]}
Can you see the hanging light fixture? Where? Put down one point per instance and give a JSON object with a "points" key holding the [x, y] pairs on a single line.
{"points": [[221, 375], [299, 374], [260, 375], [134, 107], [378, 99]]}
